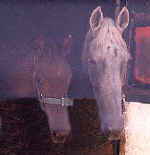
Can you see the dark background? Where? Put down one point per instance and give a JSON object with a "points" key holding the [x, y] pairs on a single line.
{"points": [[22, 21]]}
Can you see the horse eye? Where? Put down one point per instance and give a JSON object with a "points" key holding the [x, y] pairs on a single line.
{"points": [[91, 61]]}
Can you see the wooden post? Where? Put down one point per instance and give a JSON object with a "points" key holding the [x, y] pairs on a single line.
{"points": [[136, 136]]}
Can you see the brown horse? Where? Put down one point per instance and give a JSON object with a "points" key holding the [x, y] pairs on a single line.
{"points": [[105, 57], [43, 72]]}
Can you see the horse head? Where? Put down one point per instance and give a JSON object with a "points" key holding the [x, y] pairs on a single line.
{"points": [[105, 56]]}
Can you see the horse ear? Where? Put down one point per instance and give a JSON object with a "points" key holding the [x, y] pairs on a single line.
{"points": [[96, 18], [122, 19], [67, 45], [38, 43]]}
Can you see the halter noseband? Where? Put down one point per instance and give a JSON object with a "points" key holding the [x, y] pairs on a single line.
{"points": [[63, 101]]}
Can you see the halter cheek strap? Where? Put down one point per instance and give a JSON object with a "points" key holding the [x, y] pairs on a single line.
{"points": [[123, 103]]}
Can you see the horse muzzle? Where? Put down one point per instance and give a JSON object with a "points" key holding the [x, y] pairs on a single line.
{"points": [[113, 134], [60, 137]]}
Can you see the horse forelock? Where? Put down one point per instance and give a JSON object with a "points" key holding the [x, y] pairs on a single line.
{"points": [[106, 36], [107, 44], [109, 37]]}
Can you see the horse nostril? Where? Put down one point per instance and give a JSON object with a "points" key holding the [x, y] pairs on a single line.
{"points": [[112, 134], [59, 136], [53, 133]]}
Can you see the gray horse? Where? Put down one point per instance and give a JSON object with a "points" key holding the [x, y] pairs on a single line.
{"points": [[105, 56]]}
